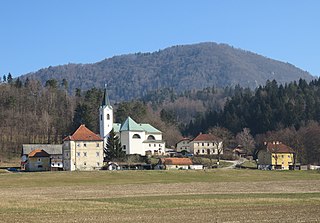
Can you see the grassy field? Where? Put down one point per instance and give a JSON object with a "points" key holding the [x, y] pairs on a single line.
{"points": [[161, 196]]}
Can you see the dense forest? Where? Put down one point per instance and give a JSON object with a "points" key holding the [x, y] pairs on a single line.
{"points": [[181, 68], [32, 112]]}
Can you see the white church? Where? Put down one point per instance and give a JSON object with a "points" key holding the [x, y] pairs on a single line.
{"points": [[135, 138]]}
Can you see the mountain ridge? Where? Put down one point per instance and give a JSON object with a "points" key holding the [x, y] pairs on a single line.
{"points": [[181, 67]]}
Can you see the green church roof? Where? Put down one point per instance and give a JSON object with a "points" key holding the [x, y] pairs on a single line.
{"points": [[149, 128], [116, 127], [130, 125]]}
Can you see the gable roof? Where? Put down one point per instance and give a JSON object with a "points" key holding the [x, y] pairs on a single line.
{"points": [[49, 148], [38, 153], [206, 137], [177, 161], [278, 147], [83, 134], [131, 125], [149, 128]]}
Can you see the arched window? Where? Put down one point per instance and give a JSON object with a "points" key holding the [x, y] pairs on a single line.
{"points": [[151, 137], [108, 116], [136, 136]]}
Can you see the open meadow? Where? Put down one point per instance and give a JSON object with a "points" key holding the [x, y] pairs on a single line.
{"points": [[161, 196]]}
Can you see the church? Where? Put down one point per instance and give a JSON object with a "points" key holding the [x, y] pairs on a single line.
{"points": [[135, 138]]}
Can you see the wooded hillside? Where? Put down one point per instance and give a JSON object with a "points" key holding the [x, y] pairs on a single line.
{"points": [[185, 67]]}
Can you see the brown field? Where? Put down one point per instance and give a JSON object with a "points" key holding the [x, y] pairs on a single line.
{"points": [[161, 196]]}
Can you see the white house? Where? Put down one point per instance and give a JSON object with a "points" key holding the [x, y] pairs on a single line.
{"points": [[206, 144], [183, 145], [135, 138]]}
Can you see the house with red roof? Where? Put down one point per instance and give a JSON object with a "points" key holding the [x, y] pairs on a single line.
{"points": [[276, 155], [38, 160], [206, 144], [83, 150]]}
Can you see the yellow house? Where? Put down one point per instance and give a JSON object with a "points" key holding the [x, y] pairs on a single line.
{"points": [[276, 155]]}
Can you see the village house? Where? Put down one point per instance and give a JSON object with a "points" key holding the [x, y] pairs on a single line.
{"points": [[54, 151], [38, 160], [206, 144], [135, 138], [276, 155], [83, 150], [183, 145], [177, 164]]}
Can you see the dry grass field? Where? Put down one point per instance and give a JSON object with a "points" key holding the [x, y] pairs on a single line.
{"points": [[161, 196]]}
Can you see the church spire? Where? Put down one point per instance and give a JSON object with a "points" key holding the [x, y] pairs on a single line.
{"points": [[105, 101]]}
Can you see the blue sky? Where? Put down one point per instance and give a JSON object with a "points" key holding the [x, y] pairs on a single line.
{"points": [[35, 34]]}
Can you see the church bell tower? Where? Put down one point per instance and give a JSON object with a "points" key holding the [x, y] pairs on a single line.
{"points": [[105, 117]]}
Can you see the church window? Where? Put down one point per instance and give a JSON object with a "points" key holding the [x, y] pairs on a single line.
{"points": [[136, 136], [108, 116], [151, 137]]}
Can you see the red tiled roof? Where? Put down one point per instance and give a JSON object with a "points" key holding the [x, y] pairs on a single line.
{"points": [[38, 153], [177, 161], [278, 147], [83, 134], [206, 137]]}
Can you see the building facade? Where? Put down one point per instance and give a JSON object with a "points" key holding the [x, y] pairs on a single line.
{"points": [[55, 152], [135, 138], [276, 155], [83, 150], [206, 144], [38, 160]]}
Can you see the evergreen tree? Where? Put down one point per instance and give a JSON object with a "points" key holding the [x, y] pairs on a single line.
{"points": [[114, 150]]}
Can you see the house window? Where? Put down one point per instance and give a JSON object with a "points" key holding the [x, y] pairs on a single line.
{"points": [[78, 144], [203, 151], [159, 145], [208, 144], [84, 153], [198, 144], [97, 153], [98, 144], [67, 154], [136, 136], [155, 145], [198, 151], [124, 147], [78, 154], [84, 144], [203, 144], [39, 159], [85, 163], [108, 116], [149, 145], [98, 164]]}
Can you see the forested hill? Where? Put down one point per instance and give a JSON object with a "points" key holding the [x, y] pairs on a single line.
{"points": [[181, 68]]}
